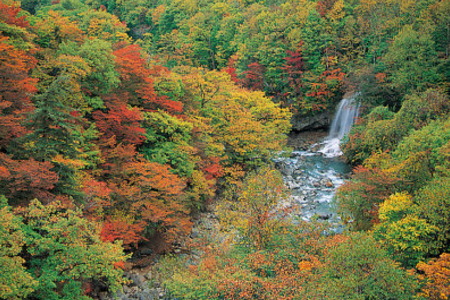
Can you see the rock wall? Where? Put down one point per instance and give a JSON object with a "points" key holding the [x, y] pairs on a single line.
{"points": [[304, 123]]}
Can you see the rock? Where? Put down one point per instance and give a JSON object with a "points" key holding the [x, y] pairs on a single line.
{"points": [[329, 184], [145, 252], [148, 276], [148, 294], [293, 185], [304, 123], [137, 279], [194, 233], [134, 290], [316, 184], [324, 216], [298, 173]]}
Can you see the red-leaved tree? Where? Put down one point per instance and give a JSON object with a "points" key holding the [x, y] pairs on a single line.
{"points": [[16, 86], [136, 82]]}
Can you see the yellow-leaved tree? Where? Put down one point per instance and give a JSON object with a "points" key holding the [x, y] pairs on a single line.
{"points": [[255, 215]]}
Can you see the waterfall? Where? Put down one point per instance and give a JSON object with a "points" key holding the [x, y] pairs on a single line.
{"points": [[313, 176], [346, 113]]}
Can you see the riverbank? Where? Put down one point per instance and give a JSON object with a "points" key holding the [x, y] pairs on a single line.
{"points": [[302, 141]]}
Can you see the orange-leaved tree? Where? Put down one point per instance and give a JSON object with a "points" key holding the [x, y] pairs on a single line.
{"points": [[136, 82], [436, 277]]}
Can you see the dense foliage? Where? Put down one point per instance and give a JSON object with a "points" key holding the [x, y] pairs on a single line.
{"points": [[268, 256], [119, 120], [118, 149]]}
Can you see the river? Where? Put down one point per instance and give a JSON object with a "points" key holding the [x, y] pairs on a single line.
{"points": [[314, 175]]}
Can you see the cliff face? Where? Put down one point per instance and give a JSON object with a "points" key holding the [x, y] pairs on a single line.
{"points": [[319, 121]]}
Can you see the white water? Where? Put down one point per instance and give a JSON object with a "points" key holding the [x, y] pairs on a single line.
{"points": [[312, 179], [346, 114], [313, 176]]}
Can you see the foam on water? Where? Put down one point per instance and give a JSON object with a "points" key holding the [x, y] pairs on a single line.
{"points": [[346, 114]]}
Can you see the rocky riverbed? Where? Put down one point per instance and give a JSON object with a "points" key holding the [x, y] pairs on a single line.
{"points": [[312, 178]]}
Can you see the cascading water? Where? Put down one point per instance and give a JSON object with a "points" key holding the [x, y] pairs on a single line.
{"points": [[313, 176], [346, 113]]}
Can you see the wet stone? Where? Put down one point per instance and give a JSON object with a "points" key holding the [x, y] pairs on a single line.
{"points": [[137, 280], [312, 179]]}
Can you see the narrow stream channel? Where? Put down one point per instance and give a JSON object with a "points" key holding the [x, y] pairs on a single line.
{"points": [[314, 175], [313, 179]]}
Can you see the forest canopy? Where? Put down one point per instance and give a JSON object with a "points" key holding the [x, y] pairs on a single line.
{"points": [[120, 121]]}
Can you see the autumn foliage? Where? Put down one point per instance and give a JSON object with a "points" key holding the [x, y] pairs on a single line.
{"points": [[137, 83], [76, 101], [120, 121], [359, 199], [436, 274], [17, 86]]}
